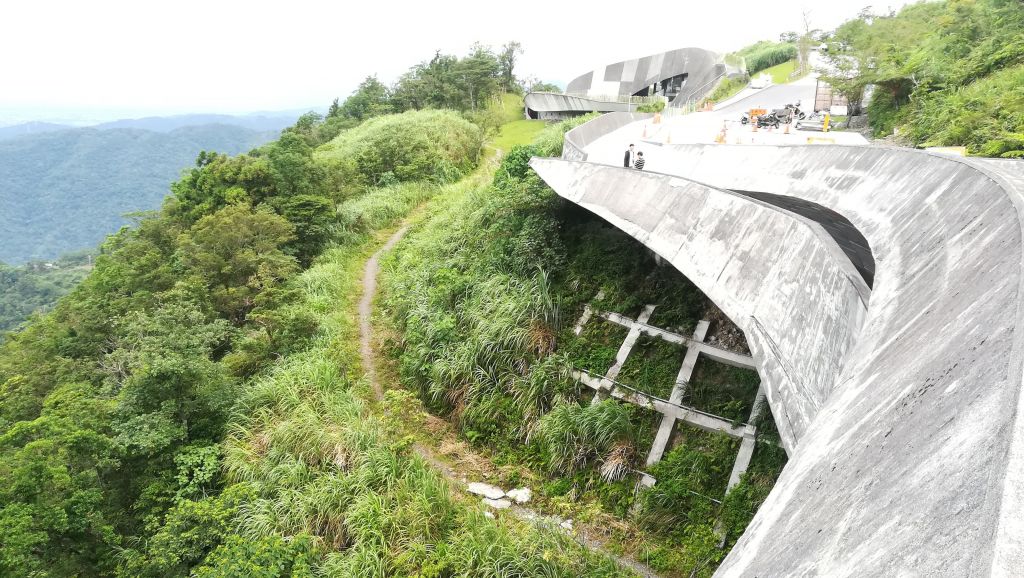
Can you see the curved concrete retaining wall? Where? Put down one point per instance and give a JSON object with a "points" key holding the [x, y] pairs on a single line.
{"points": [[909, 460], [552, 102], [577, 139], [766, 268]]}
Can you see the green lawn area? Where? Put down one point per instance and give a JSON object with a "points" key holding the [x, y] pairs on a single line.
{"points": [[780, 72], [518, 132]]}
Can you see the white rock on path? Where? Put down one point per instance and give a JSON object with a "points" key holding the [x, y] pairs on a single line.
{"points": [[567, 525], [486, 490], [520, 495], [498, 504]]}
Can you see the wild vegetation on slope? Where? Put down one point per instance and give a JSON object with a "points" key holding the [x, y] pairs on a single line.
{"points": [[944, 73], [766, 54], [437, 146], [484, 296], [189, 407]]}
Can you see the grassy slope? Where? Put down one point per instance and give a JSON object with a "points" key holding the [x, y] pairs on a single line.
{"points": [[596, 506], [403, 516], [604, 530], [780, 73]]}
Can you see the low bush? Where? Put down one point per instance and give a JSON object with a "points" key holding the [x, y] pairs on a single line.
{"points": [[430, 145], [764, 55]]}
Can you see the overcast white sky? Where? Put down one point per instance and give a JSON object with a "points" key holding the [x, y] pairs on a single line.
{"points": [[141, 57]]}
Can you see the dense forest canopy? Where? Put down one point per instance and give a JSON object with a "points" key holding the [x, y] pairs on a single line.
{"points": [[65, 191]]}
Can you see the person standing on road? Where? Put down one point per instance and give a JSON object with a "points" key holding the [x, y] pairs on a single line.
{"points": [[628, 161], [639, 164]]}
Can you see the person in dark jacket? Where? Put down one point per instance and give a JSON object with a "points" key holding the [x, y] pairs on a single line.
{"points": [[628, 161], [639, 164]]}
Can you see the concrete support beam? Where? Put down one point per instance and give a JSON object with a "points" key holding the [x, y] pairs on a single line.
{"points": [[627, 345], [588, 311], [692, 416], [678, 390], [717, 353], [747, 445]]}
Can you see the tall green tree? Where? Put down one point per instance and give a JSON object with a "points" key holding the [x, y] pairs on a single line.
{"points": [[507, 64], [478, 75], [236, 252], [371, 98]]}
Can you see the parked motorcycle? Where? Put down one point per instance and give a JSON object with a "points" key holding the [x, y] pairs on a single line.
{"points": [[763, 121], [785, 115], [769, 120], [795, 112]]}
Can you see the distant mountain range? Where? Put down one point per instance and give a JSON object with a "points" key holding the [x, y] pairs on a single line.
{"points": [[25, 128], [65, 190], [257, 122]]}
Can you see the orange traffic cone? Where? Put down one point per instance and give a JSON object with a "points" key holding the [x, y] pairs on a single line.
{"points": [[787, 129], [668, 139], [645, 130]]}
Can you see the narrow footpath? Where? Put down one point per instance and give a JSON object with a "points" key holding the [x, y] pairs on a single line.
{"points": [[370, 272]]}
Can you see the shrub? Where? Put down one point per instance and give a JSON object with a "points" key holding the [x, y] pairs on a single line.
{"points": [[574, 435], [433, 145], [656, 106], [765, 55]]}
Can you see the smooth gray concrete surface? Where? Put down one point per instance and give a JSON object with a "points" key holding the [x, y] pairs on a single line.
{"points": [[900, 412], [849, 239], [579, 138], [551, 105]]}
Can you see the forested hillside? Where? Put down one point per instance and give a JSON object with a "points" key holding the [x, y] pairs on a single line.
{"points": [[65, 191], [195, 406], [944, 73], [37, 286]]}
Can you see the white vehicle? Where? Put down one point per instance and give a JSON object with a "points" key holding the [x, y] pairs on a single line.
{"points": [[763, 80]]}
